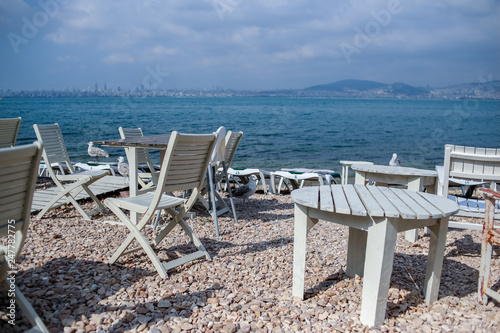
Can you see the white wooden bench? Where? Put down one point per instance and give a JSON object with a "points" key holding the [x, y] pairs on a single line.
{"points": [[469, 166]]}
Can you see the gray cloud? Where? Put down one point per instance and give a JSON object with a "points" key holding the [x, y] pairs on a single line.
{"points": [[247, 44]]}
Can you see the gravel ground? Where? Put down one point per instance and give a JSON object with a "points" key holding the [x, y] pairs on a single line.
{"points": [[63, 271]]}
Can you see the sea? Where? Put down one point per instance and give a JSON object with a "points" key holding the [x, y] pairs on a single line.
{"points": [[278, 132]]}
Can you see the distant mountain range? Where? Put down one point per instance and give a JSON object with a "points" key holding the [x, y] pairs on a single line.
{"points": [[364, 88]]}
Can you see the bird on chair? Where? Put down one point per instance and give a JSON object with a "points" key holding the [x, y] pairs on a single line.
{"points": [[395, 160], [245, 191], [96, 152]]}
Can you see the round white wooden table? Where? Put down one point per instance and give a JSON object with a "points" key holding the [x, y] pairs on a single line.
{"points": [[415, 179], [374, 215]]}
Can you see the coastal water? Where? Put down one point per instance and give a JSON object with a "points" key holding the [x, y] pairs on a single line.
{"points": [[278, 132]]}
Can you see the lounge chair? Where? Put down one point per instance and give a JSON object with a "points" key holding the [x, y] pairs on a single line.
{"points": [[184, 168], [18, 173], [468, 167], [146, 179], [245, 173], [295, 177], [9, 127], [68, 185]]}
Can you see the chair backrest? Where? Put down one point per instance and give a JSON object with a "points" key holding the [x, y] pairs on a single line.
{"points": [[142, 154], [218, 154], [471, 163], [18, 174], [54, 148], [186, 160], [232, 141], [9, 127]]}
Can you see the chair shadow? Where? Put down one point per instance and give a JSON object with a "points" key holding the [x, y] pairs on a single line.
{"points": [[266, 209], [65, 288]]}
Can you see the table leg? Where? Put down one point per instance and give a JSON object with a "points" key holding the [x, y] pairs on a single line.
{"points": [[133, 179], [302, 225], [356, 249], [414, 184], [435, 260], [360, 178], [381, 242]]}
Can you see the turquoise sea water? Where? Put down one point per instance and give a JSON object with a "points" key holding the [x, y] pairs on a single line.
{"points": [[278, 132]]}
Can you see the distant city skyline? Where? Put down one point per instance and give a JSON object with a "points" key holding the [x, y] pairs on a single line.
{"points": [[245, 45]]}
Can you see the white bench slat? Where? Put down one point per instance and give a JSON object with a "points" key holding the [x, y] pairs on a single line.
{"points": [[369, 201]]}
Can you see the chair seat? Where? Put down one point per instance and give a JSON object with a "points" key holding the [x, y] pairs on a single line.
{"points": [[86, 173], [141, 202]]}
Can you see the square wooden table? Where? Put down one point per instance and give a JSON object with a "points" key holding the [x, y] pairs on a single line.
{"points": [[374, 215], [155, 142]]}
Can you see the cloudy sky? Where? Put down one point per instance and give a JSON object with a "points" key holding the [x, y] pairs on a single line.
{"points": [[246, 44]]}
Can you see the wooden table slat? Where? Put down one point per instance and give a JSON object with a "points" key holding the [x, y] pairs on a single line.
{"points": [[410, 202], [357, 207], [447, 206], [325, 199], [340, 201], [433, 210], [403, 209], [312, 196], [369, 201], [389, 209]]}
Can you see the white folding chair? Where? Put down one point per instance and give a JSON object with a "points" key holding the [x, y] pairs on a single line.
{"points": [[18, 173], [183, 168], [68, 185]]}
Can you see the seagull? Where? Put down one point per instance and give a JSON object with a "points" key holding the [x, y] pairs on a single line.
{"points": [[395, 160], [245, 191], [122, 167], [96, 152]]}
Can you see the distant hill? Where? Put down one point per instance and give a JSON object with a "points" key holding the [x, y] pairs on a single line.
{"points": [[348, 85], [369, 88], [365, 85]]}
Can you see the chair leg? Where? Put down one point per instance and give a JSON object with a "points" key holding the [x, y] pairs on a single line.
{"points": [[212, 197], [135, 233], [28, 311], [224, 169]]}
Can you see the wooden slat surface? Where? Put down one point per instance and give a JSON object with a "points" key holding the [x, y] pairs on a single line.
{"points": [[357, 207], [104, 185], [361, 200], [420, 211], [325, 199], [340, 201], [369, 201], [401, 206]]}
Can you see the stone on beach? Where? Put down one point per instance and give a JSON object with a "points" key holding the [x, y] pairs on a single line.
{"points": [[64, 272]]}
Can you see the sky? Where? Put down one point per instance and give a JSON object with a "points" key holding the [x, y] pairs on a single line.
{"points": [[245, 44]]}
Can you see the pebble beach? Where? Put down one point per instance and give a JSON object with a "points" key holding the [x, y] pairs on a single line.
{"points": [[246, 287]]}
